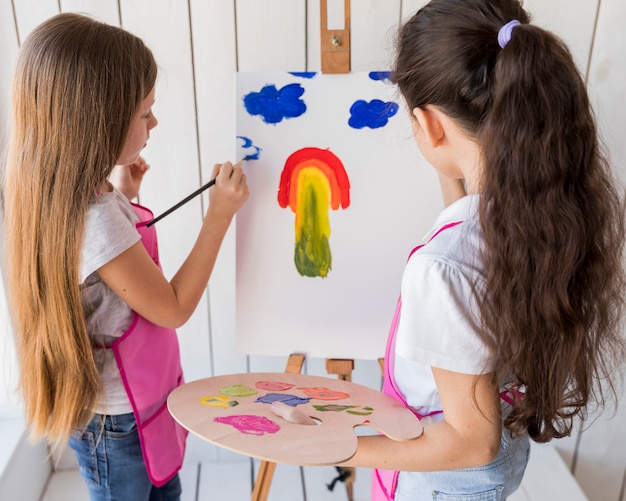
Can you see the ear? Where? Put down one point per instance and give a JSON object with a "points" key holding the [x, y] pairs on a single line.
{"points": [[430, 122]]}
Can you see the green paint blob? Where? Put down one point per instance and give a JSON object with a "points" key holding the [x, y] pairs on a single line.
{"points": [[333, 407], [238, 390]]}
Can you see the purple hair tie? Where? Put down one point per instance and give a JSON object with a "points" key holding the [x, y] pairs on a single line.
{"points": [[504, 35]]}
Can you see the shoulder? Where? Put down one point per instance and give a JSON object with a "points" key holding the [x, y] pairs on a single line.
{"points": [[109, 231], [439, 323], [454, 243], [111, 208]]}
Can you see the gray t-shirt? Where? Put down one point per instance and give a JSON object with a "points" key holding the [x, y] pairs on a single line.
{"points": [[109, 231]]}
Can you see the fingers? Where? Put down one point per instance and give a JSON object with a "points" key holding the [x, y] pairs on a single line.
{"points": [[230, 190], [228, 171], [139, 167]]}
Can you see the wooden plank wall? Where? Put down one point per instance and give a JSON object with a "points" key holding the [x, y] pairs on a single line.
{"points": [[199, 44]]}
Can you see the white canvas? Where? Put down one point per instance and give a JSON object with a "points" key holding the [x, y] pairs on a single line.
{"points": [[394, 200]]}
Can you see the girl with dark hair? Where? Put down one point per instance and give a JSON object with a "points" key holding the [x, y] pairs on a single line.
{"points": [[93, 315], [509, 320]]}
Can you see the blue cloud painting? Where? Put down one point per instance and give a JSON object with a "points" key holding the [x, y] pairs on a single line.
{"points": [[274, 105], [373, 114]]}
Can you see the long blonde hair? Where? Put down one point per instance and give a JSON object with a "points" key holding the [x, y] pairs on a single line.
{"points": [[76, 87]]}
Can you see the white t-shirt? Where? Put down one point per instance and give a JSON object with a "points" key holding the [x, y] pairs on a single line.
{"points": [[109, 231], [438, 320]]}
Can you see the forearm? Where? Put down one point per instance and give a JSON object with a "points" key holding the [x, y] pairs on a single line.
{"points": [[440, 447], [134, 277]]}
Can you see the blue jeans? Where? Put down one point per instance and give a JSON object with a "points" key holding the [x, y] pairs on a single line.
{"points": [[492, 482], [111, 464]]}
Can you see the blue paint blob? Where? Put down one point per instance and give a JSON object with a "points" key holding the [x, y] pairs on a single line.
{"points": [[303, 74], [285, 398], [380, 75], [273, 105], [247, 143], [372, 114]]}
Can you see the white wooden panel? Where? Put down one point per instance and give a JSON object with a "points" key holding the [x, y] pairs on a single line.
{"points": [[172, 153], [572, 20], [215, 62], [316, 479], [409, 7], [29, 13], [607, 79], [8, 49], [102, 10], [313, 52], [225, 481], [601, 458], [26, 474], [373, 27], [8, 364], [271, 35], [547, 477], [64, 485], [286, 483], [568, 446]]}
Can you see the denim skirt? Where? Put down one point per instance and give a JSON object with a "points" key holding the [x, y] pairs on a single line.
{"points": [[492, 482]]}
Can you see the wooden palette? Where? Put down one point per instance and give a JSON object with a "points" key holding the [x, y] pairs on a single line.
{"points": [[332, 407]]}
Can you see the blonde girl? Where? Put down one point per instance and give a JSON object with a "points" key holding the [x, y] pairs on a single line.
{"points": [[92, 311]]}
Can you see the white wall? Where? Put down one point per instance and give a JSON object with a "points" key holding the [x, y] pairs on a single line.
{"points": [[199, 44]]}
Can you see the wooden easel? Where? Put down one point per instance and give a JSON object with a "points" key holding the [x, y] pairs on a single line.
{"points": [[343, 369], [335, 43], [335, 58]]}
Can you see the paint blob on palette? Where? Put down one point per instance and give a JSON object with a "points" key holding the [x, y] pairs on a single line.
{"points": [[238, 390], [273, 385], [288, 418], [221, 401], [287, 399], [250, 424]]}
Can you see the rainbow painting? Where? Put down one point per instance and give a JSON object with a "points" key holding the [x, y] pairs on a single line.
{"points": [[312, 181]]}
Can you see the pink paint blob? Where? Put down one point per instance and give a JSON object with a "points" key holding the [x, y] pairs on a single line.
{"points": [[273, 385], [250, 424]]}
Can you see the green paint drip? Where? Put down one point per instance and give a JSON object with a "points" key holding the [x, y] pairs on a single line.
{"points": [[312, 253]]}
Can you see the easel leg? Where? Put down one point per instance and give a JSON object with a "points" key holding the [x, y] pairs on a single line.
{"points": [[343, 369], [264, 476]]}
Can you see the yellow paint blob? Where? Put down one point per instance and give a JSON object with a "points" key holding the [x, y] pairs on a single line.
{"points": [[220, 401]]}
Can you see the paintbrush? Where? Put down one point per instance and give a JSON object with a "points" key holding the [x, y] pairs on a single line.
{"points": [[193, 195]]}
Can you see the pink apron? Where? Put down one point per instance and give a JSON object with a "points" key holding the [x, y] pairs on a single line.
{"points": [[149, 362], [384, 482]]}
